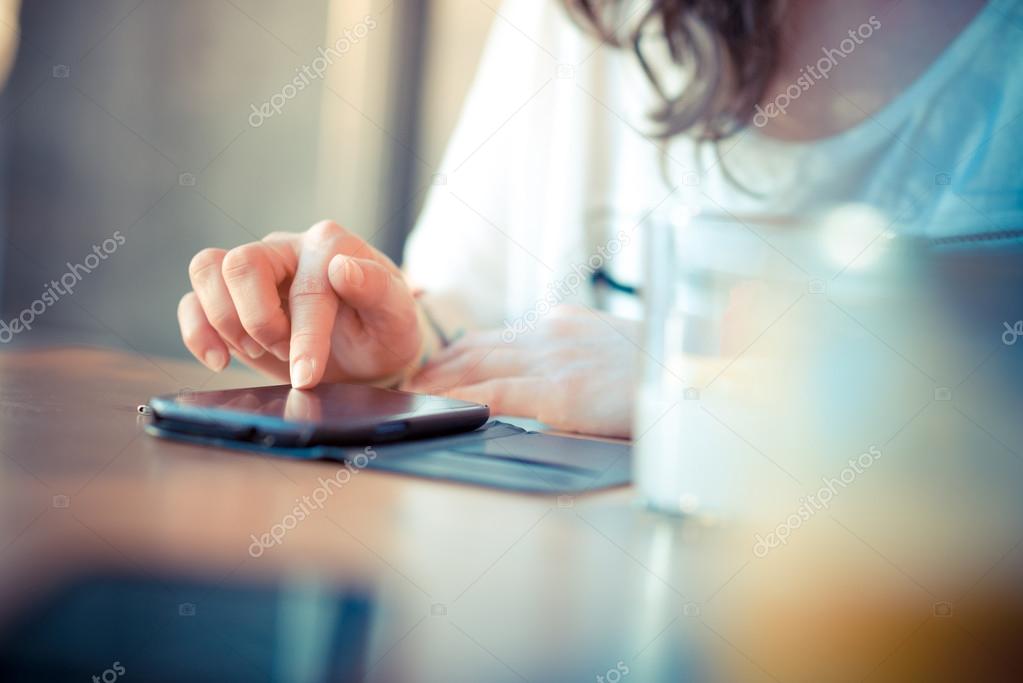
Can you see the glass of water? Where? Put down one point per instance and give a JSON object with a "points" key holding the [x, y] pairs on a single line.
{"points": [[718, 429]]}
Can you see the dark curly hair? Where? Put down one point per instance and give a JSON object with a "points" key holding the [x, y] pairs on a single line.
{"points": [[727, 49]]}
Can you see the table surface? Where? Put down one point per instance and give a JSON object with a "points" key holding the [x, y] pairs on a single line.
{"points": [[473, 584]]}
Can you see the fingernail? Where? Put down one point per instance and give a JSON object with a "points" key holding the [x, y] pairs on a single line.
{"points": [[281, 350], [301, 372], [336, 264], [353, 273], [251, 348], [215, 360]]}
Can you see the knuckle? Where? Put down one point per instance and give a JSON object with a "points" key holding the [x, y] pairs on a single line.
{"points": [[309, 285], [261, 326], [324, 230], [222, 320], [206, 261], [304, 339], [241, 262], [279, 236]]}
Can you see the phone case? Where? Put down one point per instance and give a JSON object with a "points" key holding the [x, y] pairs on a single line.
{"points": [[497, 455]]}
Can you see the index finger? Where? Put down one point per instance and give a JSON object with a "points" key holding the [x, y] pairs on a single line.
{"points": [[313, 305]]}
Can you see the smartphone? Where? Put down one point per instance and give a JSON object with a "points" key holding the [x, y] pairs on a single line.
{"points": [[329, 414]]}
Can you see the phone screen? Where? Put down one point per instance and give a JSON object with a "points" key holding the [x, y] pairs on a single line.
{"points": [[328, 413], [325, 403]]}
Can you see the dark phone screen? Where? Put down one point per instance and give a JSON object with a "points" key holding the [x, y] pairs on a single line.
{"points": [[326, 403]]}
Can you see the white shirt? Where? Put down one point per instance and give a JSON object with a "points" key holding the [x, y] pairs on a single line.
{"points": [[549, 163]]}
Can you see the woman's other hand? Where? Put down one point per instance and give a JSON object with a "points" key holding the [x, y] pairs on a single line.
{"points": [[574, 372]]}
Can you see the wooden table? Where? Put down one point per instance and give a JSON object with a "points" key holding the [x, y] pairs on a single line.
{"points": [[472, 584]]}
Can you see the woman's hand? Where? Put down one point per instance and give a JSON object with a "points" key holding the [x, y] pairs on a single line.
{"points": [[574, 372], [322, 305]]}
